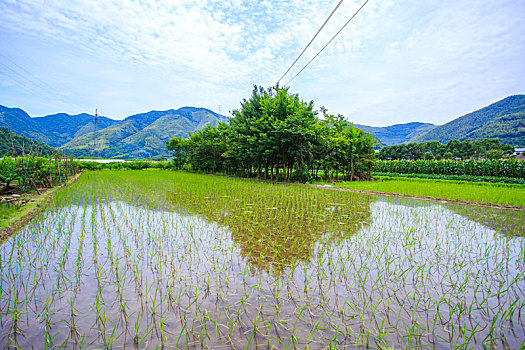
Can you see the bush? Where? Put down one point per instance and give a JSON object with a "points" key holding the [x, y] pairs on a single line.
{"points": [[428, 156], [134, 165], [32, 172]]}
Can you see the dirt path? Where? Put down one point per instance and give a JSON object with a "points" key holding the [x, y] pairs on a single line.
{"points": [[39, 204], [399, 195]]}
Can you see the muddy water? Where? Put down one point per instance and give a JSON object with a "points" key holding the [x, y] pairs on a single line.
{"points": [[183, 263]]}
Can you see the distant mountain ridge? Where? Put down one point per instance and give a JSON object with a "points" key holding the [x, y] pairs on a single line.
{"points": [[142, 135], [53, 130], [64, 127], [504, 120], [398, 133]]}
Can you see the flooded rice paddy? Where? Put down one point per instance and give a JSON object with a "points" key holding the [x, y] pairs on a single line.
{"points": [[158, 258]]}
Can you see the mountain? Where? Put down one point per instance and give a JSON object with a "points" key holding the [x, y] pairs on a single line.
{"points": [[509, 129], [55, 129], [21, 123], [142, 135], [398, 133], [10, 142], [504, 120], [62, 127]]}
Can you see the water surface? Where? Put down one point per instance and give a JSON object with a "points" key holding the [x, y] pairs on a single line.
{"points": [[137, 259]]}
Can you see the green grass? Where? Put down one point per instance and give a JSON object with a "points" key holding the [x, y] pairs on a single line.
{"points": [[508, 194], [7, 210], [11, 213]]}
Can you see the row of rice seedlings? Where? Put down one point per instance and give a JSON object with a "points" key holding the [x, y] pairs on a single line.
{"points": [[172, 259]]}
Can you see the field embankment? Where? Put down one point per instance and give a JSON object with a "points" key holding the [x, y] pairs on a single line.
{"points": [[24, 185], [476, 192]]}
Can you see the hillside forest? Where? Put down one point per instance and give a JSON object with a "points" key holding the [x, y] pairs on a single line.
{"points": [[487, 148], [12, 144]]}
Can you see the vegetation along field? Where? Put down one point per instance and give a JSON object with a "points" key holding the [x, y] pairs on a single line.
{"points": [[23, 177], [142, 258]]}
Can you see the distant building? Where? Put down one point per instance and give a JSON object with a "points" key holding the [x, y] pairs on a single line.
{"points": [[519, 150], [519, 153]]}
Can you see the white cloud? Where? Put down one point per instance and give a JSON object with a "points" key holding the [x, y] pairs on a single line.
{"points": [[217, 39], [427, 61], [393, 53]]}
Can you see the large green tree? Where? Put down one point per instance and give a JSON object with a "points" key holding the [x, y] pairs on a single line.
{"points": [[275, 134]]}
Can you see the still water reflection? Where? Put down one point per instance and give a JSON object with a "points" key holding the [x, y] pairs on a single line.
{"points": [[137, 259]]}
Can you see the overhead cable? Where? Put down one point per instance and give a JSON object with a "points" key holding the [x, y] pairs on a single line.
{"points": [[326, 21], [328, 43], [29, 78]]}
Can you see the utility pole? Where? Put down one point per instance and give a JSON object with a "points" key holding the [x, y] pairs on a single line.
{"points": [[96, 120], [96, 128]]}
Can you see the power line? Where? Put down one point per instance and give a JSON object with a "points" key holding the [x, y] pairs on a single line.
{"points": [[326, 21], [36, 82], [22, 81], [43, 84], [328, 43]]}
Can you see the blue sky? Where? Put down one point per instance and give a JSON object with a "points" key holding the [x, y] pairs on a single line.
{"points": [[397, 61]]}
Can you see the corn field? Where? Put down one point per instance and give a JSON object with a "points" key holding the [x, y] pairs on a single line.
{"points": [[470, 167]]}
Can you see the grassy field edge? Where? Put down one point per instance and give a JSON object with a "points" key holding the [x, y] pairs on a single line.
{"points": [[22, 216], [500, 194]]}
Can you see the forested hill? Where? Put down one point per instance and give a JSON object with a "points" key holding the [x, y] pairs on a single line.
{"points": [[504, 120], [142, 135], [54, 130], [398, 133], [63, 127], [11, 142]]}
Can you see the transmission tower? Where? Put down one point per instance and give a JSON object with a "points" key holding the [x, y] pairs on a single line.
{"points": [[96, 128], [96, 120]]}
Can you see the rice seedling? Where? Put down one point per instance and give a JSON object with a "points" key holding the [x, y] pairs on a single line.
{"points": [[502, 194], [168, 259]]}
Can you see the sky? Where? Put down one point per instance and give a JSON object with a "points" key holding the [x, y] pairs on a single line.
{"points": [[395, 62]]}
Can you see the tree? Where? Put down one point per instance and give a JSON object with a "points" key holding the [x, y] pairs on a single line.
{"points": [[428, 156], [494, 154], [278, 134], [179, 149], [205, 148]]}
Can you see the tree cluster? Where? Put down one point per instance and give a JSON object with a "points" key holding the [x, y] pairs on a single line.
{"points": [[488, 148], [277, 135]]}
